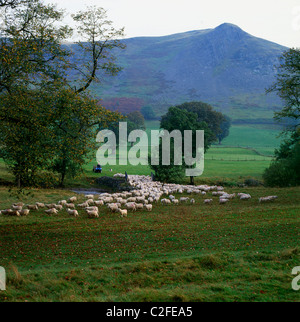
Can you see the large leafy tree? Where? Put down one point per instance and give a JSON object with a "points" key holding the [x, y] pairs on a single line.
{"points": [[287, 86], [285, 170], [47, 122], [180, 119]]}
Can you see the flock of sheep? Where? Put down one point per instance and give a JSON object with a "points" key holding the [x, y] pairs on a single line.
{"points": [[143, 195]]}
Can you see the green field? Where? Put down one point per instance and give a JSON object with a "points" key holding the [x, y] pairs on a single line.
{"points": [[241, 251]]}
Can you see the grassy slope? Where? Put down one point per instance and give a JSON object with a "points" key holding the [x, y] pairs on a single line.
{"points": [[242, 251]]}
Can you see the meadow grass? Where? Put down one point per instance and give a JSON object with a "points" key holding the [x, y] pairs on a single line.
{"points": [[241, 251]]}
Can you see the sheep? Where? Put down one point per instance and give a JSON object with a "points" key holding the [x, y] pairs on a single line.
{"points": [[192, 201], [51, 211], [72, 212], [72, 199], [148, 207], [245, 196], [40, 205], [175, 201], [32, 207], [99, 202], [24, 212], [70, 205], [6, 211], [83, 205], [89, 196], [130, 206], [208, 201], [50, 206], [19, 204], [139, 206], [92, 214], [58, 207], [269, 198], [184, 199], [92, 208], [18, 208], [123, 212], [223, 201], [113, 207], [62, 202]]}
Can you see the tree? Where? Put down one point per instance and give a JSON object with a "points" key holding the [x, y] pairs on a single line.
{"points": [[285, 169], [287, 86], [99, 39], [148, 112], [180, 119], [225, 126], [206, 113], [46, 122], [137, 119]]}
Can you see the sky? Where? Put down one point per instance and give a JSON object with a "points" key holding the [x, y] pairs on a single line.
{"points": [[273, 20]]}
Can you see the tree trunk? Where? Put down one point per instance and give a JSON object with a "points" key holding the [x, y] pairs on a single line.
{"points": [[192, 181]]}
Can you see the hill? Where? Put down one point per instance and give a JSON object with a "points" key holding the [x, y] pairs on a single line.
{"points": [[225, 67]]}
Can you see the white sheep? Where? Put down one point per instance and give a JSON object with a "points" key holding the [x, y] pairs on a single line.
{"points": [[51, 211], [72, 212], [24, 212], [92, 214], [72, 199], [148, 207], [123, 212], [223, 201], [208, 201]]}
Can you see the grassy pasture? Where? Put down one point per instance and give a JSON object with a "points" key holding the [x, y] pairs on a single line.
{"points": [[241, 251]]}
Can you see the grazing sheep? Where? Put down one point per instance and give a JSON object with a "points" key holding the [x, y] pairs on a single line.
{"points": [[70, 205], [130, 206], [268, 198], [192, 201], [62, 202], [92, 214], [184, 199], [19, 204], [208, 201], [72, 199], [58, 207], [148, 207], [51, 211], [72, 212], [18, 208], [175, 201], [40, 205], [32, 207], [112, 207], [94, 208], [83, 205], [24, 212], [99, 202], [139, 206], [50, 205], [89, 196], [223, 201], [245, 196], [6, 211], [123, 212]]}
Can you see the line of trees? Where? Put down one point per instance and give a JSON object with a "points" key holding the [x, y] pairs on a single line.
{"points": [[48, 118]]}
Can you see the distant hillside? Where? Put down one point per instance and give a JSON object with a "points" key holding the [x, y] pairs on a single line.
{"points": [[225, 67]]}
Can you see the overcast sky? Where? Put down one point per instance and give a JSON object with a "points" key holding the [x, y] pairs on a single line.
{"points": [[274, 20]]}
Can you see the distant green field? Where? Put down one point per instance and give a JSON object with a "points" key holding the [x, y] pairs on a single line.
{"points": [[244, 153]]}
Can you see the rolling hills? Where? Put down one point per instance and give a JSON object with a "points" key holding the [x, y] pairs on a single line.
{"points": [[225, 67]]}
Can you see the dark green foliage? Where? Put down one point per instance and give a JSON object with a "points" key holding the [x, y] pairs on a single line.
{"points": [[148, 113], [225, 126]]}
